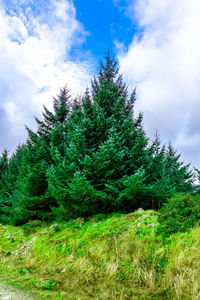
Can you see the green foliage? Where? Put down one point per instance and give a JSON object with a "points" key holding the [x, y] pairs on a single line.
{"points": [[89, 155], [134, 192], [3, 162], [31, 199], [160, 192], [104, 144], [83, 198], [50, 285], [179, 214], [105, 257], [32, 226], [166, 174]]}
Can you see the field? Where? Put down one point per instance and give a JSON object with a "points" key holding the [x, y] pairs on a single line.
{"points": [[115, 256]]}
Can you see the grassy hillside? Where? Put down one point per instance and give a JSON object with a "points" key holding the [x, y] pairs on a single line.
{"points": [[106, 257]]}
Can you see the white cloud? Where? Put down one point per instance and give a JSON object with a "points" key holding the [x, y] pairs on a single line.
{"points": [[35, 61], [164, 64]]}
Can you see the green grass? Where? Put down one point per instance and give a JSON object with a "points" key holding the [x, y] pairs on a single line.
{"points": [[112, 256]]}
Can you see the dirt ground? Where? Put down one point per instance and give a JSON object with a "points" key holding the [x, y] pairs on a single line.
{"points": [[9, 293]]}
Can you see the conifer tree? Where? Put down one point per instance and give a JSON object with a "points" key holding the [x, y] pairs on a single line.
{"points": [[3, 170], [3, 163], [105, 145], [181, 176], [89, 155], [8, 183], [61, 109], [166, 173], [32, 200]]}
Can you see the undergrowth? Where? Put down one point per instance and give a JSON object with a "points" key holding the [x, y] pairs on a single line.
{"points": [[112, 256]]}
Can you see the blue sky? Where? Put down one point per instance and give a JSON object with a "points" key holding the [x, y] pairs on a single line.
{"points": [[45, 45], [106, 23]]}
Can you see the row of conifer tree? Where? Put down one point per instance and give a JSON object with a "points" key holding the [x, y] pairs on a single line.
{"points": [[90, 155]]}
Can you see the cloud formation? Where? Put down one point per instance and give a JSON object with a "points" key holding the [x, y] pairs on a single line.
{"points": [[35, 58], [163, 61]]}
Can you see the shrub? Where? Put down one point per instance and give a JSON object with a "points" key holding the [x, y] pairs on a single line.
{"points": [[179, 214]]}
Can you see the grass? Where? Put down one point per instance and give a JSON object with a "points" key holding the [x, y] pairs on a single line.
{"points": [[112, 256]]}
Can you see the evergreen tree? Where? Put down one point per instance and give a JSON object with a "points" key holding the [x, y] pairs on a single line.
{"points": [[104, 146], [61, 109], [8, 183], [181, 177], [32, 199], [3, 192], [89, 155], [166, 173], [3, 163]]}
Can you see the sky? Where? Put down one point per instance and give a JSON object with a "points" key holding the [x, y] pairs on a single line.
{"points": [[45, 45]]}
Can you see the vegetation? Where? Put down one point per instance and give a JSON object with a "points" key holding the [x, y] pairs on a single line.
{"points": [[179, 214], [90, 155], [67, 198], [116, 256]]}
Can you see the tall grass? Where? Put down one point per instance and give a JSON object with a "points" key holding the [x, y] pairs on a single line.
{"points": [[107, 257]]}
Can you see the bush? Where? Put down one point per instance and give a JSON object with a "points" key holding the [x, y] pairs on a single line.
{"points": [[179, 214]]}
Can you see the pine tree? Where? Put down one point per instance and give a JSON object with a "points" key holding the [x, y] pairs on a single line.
{"points": [[166, 173], [3, 163], [3, 170], [8, 183], [180, 175], [88, 156], [61, 110], [32, 199], [105, 145]]}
